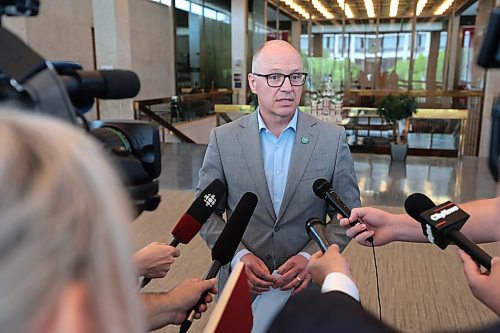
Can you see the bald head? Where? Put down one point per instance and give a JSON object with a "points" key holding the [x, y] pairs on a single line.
{"points": [[275, 47]]}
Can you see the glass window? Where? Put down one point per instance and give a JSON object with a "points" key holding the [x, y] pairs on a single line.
{"points": [[210, 13], [182, 4], [196, 9]]}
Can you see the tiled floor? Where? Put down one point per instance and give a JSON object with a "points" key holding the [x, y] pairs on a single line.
{"points": [[381, 182]]}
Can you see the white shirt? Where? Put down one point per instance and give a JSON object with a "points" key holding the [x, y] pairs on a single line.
{"points": [[340, 282]]}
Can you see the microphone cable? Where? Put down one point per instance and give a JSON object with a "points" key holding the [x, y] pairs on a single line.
{"points": [[377, 282], [324, 190]]}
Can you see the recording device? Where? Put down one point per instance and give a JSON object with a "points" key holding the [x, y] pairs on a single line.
{"points": [[65, 91], [19, 7], [441, 225], [324, 190], [489, 57], [315, 228], [193, 219], [225, 246]]}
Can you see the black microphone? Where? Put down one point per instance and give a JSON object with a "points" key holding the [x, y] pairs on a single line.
{"points": [[197, 214], [226, 245], [83, 86], [324, 190], [315, 228], [441, 225]]}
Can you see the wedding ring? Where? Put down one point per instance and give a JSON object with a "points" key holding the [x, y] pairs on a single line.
{"points": [[298, 279]]}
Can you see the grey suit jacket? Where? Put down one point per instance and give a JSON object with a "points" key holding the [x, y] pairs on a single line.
{"points": [[234, 156]]}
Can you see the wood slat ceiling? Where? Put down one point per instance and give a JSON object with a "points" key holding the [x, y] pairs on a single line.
{"points": [[405, 8]]}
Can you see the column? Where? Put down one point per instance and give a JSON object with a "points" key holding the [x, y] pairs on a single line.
{"points": [[490, 92], [113, 49], [295, 34], [239, 49]]}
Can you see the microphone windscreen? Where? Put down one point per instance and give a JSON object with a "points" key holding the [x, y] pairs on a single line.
{"points": [[198, 213], [120, 84], [417, 203], [320, 187], [227, 243]]}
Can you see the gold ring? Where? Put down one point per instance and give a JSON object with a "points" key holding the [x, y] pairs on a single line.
{"points": [[298, 279]]}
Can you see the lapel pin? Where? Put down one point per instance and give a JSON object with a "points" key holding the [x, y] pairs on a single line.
{"points": [[304, 141]]}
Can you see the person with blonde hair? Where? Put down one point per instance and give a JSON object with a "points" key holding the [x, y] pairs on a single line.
{"points": [[65, 254]]}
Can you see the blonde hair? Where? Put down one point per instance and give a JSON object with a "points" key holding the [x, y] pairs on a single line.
{"points": [[62, 218]]}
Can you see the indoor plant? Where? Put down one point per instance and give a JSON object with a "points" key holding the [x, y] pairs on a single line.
{"points": [[393, 109]]}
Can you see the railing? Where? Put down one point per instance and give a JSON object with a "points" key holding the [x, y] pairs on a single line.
{"points": [[179, 109]]}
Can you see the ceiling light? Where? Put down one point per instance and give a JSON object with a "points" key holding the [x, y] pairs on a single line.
{"points": [[420, 6], [292, 4], [393, 10], [443, 7], [345, 7], [369, 8], [320, 8]]}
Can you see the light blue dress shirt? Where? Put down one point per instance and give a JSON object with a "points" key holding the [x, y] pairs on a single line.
{"points": [[276, 154]]}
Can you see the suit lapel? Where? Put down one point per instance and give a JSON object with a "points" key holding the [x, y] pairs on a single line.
{"points": [[305, 142], [249, 141]]}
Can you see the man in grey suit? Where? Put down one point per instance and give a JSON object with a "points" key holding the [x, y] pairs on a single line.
{"points": [[277, 153]]}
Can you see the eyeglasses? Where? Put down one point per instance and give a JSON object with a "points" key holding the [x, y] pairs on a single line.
{"points": [[276, 80]]}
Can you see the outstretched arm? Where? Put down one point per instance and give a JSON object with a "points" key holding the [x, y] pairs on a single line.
{"points": [[483, 225]]}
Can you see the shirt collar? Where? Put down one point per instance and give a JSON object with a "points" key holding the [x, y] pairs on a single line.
{"points": [[292, 124]]}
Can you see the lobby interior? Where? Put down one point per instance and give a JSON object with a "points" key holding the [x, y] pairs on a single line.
{"points": [[193, 57]]}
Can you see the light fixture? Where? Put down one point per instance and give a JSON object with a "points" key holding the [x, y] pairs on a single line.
{"points": [[369, 8], [443, 7], [345, 7], [393, 10], [292, 4], [320, 8], [420, 6]]}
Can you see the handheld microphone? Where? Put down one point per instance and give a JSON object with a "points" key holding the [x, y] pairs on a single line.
{"points": [[225, 246], [197, 214], [315, 228], [441, 225], [324, 190]]}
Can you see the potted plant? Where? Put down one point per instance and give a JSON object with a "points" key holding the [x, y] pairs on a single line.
{"points": [[393, 109]]}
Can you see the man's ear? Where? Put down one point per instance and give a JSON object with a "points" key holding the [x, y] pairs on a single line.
{"points": [[252, 83]]}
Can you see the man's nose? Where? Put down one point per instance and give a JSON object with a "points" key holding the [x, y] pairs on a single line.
{"points": [[287, 85]]}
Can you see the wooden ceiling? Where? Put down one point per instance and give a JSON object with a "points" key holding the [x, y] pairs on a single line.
{"points": [[381, 8]]}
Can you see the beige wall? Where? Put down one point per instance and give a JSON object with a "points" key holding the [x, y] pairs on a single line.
{"points": [[152, 41], [63, 31]]}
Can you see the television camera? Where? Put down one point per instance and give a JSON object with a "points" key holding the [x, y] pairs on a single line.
{"points": [[64, 90]]}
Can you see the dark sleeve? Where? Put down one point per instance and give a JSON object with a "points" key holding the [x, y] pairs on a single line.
{"points": [[311, 311]]}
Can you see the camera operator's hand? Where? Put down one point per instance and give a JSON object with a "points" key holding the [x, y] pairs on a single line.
{"points": [[484, 286], [154, 260]]}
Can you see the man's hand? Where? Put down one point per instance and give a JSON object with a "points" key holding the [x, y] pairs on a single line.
{"points": [[186, 295], [484, 286], [374, 223], [294, 274], [170, 308], [154, 260], [259, 278], [331, 261]]}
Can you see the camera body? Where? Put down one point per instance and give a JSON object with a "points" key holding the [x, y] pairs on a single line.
{"points": [[64, 90]]}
